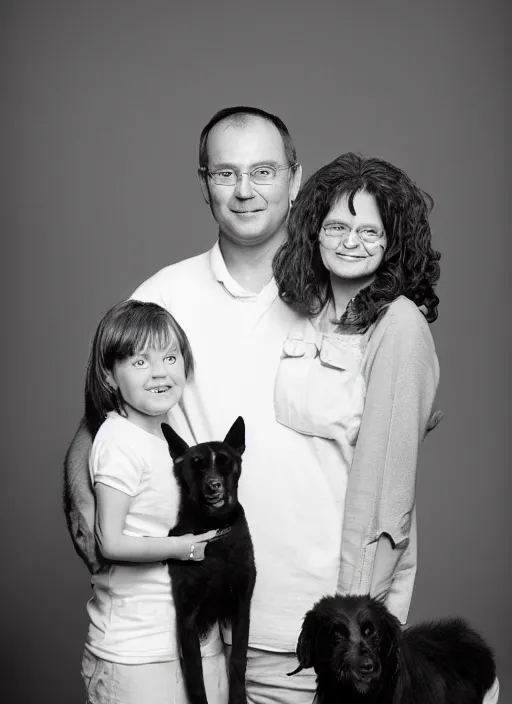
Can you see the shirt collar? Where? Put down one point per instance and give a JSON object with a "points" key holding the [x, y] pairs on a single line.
{"points": [[326, 320], [219, 269]]}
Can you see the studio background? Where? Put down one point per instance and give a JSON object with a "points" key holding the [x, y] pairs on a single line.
{"points": [[103, 103]]}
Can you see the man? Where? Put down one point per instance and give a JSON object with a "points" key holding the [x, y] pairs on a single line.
{"points": [[227, 302]]}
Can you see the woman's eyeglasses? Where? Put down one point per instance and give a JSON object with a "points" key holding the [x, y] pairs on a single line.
{"points": [[334, 233]]}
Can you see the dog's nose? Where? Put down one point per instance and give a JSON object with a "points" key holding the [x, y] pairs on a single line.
{"points": [[214, 484], [367, 666]]}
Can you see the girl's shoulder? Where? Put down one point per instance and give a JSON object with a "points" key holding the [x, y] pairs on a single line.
{"points": [[119, 457], [118, 432], [114, 426]]}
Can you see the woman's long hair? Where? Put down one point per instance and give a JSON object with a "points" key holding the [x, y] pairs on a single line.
{"points": [[409, 267], [126, 329]]}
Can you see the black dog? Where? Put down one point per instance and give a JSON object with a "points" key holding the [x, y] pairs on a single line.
{"points": [[361, 655], [220, 587]]}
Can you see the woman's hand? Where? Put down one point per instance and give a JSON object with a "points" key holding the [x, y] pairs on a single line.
{"points": [[384, 565]]}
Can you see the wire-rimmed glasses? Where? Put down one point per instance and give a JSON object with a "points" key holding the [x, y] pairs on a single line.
{"points": [[260, 175], [332, 234]]}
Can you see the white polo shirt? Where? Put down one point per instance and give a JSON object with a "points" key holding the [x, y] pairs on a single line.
{"points": [[293, 501]]}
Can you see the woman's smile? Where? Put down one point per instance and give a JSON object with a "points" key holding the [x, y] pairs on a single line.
{"points": [[350, 257]]}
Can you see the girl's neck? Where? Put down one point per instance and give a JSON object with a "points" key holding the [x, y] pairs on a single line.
{"points": [[150, 424], [344, 290], [251, 264]]}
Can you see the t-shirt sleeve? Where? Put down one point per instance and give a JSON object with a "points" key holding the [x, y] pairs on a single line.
{"points": [[116, 464]]}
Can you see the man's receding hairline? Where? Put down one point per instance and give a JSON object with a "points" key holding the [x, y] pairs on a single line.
{"points": [[241, 120]]}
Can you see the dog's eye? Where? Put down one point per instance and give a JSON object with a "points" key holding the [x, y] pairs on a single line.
{"points": [[339, 638], [367, 628], [221, 459], [197, 462]]}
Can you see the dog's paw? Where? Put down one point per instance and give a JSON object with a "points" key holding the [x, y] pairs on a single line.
{"points": [[221, 534]]}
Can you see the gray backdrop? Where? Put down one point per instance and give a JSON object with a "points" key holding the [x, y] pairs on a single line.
{"points": [[103, 103]]}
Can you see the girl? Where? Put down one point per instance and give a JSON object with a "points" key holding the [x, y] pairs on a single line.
{"points": [[139, 364]]}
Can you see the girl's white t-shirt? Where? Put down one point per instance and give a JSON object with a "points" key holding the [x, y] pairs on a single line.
{"points": [[131, 613]]}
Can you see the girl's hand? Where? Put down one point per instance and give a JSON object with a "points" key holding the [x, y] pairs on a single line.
{"points": [[194, 545], [112, 507]]}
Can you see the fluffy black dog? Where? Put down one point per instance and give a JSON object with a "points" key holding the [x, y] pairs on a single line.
{"points": [[361, 655], [220, 587]]}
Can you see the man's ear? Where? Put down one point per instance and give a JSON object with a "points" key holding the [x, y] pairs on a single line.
{"points": [[203, 182], [295, 181]]}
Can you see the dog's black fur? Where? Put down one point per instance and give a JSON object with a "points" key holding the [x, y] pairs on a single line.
{"points": [[361, 655], [219, 588]]}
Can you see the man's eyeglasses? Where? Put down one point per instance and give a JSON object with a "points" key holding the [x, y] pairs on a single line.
{"points": [[333, 234], [260, 175]]}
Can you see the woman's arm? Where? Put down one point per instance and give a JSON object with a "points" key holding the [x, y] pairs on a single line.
{"points": [[379, 527], [112, 507], [403, 576], [394, 573]]}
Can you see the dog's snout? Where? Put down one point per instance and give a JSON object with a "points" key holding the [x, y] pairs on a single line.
{"points": [[214, 484], [367, 666]]}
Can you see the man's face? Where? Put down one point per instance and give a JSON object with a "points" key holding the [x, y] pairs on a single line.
{"points": [[249, 213]]}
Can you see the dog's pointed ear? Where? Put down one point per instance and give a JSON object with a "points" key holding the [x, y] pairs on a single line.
{"points": [[236, 436], [177, 446]]}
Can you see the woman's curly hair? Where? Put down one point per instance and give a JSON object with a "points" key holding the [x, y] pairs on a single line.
{"points": [[409, 266]]}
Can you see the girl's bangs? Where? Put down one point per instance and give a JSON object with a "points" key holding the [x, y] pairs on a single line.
{"points": [[142, 331], [160, 338]]}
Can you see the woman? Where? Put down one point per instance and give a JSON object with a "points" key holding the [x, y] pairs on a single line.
{"points": [[359, 371]]}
